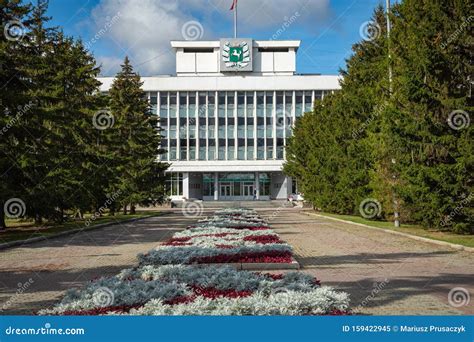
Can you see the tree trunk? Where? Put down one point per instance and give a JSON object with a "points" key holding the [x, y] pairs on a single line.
{"points": [[132, 209], [38, 219], [125, 209], [3, 225]]}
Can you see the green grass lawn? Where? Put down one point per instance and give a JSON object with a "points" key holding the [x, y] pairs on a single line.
{"points": [[22, 229], [465, 240]]}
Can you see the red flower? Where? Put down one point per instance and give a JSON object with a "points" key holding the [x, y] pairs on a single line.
{"points": [[102, 310], [180, 300], [263, 239], [212, 292], [263, 257]]}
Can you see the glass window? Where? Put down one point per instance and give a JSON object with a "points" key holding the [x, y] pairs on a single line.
{"points": [[231, 153], [183, 104], [221, 105], [172, 153], [208, 184], [250, 103], [212, 152], [172, 101], [183, 153], [269, 103], [202, 132], [202, 105], [241, 131], [240, 104], [163, 104], [288, 103], [154, 103], [318, 95], [202, 152], [230, 131], [212, 131], [221, 153], [279, 152], [250, 131], [192, 152], [230, 103], [299, 103], [264, 184], [260, 103], [250, 153], [211, 104], [260, 152], [308, 101], [172, 132], [174, 184], [192, 104], [241, 153]]}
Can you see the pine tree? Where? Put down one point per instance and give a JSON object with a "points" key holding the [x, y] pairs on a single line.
{"points": [[14, 102], [434, 157], [331, 154], [139, 175]]}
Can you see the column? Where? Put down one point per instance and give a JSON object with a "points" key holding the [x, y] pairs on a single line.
{"points": [[257, 185], [216, 186], [186, 185]]}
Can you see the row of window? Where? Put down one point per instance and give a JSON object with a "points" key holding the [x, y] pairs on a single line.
{"points": [[228, 125], [232, 103]]}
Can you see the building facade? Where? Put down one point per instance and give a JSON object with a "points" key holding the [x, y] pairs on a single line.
{"points": [[226, 115]]}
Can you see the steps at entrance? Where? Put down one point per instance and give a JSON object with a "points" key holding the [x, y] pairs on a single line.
{"points": [[244, 204]]}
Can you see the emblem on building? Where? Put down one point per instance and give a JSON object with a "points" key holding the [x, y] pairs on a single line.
{"points": [[236, 55]]}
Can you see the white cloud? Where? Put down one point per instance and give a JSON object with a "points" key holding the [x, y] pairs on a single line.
{"points": [[145, 27]]}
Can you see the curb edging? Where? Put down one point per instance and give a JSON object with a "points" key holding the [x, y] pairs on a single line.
{"points": [[414, 237]]}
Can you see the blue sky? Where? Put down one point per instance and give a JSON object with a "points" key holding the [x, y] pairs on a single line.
{"points": [[142, 29]]}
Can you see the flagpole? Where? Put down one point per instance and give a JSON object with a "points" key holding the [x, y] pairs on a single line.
{"points": [[235, 20]]}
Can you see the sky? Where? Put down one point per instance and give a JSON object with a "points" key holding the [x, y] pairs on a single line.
{"points": [[142, 29]]}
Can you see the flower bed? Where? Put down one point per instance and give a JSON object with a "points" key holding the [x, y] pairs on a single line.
{"points": [[210, 290], [222, 240]]}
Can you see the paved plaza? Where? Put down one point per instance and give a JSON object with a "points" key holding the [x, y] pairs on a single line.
{"points": [[385, 274]]}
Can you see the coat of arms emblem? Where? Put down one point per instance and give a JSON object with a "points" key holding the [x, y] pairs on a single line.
{"points": [[236, 56]]}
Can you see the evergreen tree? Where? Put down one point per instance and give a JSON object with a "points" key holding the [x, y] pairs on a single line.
{"points": [[14, 103], [432, 46], [139, 175], [331, 153]]}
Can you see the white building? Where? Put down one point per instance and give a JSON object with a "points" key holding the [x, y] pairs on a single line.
{"points": [[226, 116]]}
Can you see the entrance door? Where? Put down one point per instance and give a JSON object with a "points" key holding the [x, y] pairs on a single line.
{"points": [[225, 192], [247, 191]]}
